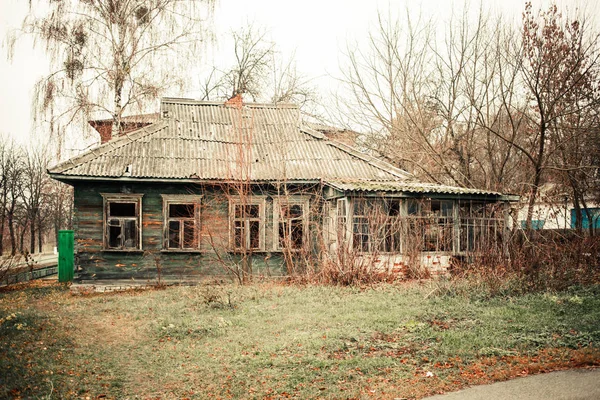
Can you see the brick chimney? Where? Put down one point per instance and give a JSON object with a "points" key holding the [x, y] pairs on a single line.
{"points": [[128, 124], [235, 101]]}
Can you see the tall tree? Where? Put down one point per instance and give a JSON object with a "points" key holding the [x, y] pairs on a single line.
{"points": [[11, 192], [112, 55], [429, 103], [561, 71], [34, 184]]}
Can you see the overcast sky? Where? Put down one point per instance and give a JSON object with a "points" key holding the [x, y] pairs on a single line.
{"points": [[318, 31]]}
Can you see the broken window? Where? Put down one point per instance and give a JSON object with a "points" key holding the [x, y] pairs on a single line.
{"points": [[181, 221], [291, 223], [122, 214], [247, 223]]}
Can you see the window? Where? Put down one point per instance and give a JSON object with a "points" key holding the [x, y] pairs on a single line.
{"points": [[247, 223], [181, 224], [361, 231], [342, 221], [291, 223], [430, 225], [392, 228], [376, 225], [122, 221]]}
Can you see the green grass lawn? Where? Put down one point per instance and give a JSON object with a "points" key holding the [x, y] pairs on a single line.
{"points": [[277, 341]]}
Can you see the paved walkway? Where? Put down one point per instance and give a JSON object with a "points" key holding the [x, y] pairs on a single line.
{"points": [[583, 384]]}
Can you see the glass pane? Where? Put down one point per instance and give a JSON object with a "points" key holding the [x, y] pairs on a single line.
{"points": [[361, 234], [174, 235], [359, 207], [254, 234], [114, 235], [181, 211], [393, 208], [253, 211], [447, 208], [413, 207], [247, 211], [121, 209], [238, 234], [297, 233], [189, 236], [295, 210], [283, 228], [130, 234]]}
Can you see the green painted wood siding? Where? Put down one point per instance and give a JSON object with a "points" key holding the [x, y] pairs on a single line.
{"points": [[94, 262]]}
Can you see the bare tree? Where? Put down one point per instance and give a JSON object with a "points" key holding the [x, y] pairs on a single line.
{"points": [[58, 207], [260, 72], [11, 166], [561, 71], [109, 56], [34, 185], [288, 85], [426, 104]]}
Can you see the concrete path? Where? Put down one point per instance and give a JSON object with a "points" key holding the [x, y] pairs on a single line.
{"points": [[583, 384]]}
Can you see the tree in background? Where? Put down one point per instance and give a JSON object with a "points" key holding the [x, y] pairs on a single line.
{"points": [[561, 71], [111, 56], [11, 172], [35, 182], [482, 104], [259, 72]]}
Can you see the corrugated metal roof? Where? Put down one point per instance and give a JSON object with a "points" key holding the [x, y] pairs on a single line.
{"points": [[214, 141], [408, 186], [259, 142]]}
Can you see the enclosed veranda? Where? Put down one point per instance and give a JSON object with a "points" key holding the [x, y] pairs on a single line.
{"points": [[391, 225]]}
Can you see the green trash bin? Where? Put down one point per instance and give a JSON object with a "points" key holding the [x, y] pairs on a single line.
{"points": [[66, 259]]}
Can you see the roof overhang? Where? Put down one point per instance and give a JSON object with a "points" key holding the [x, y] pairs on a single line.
{"points": [[414, 189]]}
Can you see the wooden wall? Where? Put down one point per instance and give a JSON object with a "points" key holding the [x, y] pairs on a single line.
{"points": [[95, 263]]}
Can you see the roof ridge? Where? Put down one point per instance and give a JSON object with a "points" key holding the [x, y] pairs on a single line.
{"points": [[178, 100], [107, 147]]}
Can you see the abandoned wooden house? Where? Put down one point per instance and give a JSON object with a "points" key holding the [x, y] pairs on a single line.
{"points": [[231, 188]]}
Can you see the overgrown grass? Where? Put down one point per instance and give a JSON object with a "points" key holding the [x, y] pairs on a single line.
{"points": [[273, 340]]}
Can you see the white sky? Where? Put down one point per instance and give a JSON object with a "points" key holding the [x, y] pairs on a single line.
{"points": [[317, 30]]}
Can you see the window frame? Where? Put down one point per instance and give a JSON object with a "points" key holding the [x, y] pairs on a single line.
{"points": [[342, 227], [107, 200], [169, 199], [260, 201], [303, 201]]}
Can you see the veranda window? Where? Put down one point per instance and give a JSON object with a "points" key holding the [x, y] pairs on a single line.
{"points": [[430, 225]]}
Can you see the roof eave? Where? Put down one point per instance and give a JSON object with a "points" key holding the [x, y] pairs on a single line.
{"points": [[80, 178]]}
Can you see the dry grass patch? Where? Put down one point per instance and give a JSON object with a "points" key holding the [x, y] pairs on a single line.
{"points": [[272, 340]]}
